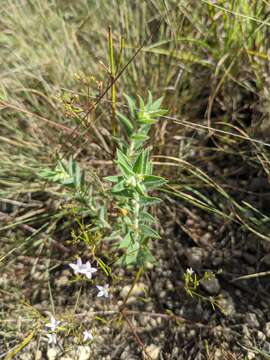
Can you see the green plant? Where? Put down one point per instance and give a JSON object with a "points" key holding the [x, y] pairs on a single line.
{"points": [[130, 190], [129, 193]]}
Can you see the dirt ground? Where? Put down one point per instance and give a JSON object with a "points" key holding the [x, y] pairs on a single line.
{"points": [[161, 321]]}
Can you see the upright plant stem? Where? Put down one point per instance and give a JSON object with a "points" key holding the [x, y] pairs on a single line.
{"points": [[136, 279]]}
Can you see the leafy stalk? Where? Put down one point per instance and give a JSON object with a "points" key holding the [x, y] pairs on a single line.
{"points": [[135, 179]]}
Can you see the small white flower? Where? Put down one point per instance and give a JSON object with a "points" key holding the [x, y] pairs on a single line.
{"points": [[78, 268], [190, 271], [84, 269], [52, 340], [53, 324], [103, 290], [88, 270], [87, 335]]}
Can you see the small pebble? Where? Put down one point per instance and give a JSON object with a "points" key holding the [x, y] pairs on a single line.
{"points": [[153, 351], [138, 290], [266, 330], [251, 320], [211, 285]]}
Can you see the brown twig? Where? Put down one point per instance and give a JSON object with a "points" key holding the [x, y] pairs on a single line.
{"points": [[137, 338], [31, 230]]}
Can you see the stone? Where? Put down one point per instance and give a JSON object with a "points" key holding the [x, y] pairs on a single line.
{"points": [[84, 352], [124, 355], [211, 285], [266, 260], [266, 330], [52, 353], [138, 290], [226, 303], [251, 320], [260, 336], [245, 331], [195, 257], [218, 354], [218, 331], [62, 281], [250, 259], [266, 347], [153, 351], [38, 355], [207, 240], [26, 356], [251, 355]]}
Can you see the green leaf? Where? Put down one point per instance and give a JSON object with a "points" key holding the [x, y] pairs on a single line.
{"points": [[126, 242], [131, 105], [141, 111], [71, 165], [152, 181], [70, 175], [139, 137], [149, 200], [156, 105], [149, 232], [126, 123], [140, 189], [141, 163], [124, 164], [150, 97], [145, 256], [106, 269], [145, 119], [146, 162], [114, 178], [120, 186], [120, 142], [145, 216], [138, 166], [131, 257]]}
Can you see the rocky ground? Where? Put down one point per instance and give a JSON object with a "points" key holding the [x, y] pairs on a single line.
{"points": [[161, 321]]}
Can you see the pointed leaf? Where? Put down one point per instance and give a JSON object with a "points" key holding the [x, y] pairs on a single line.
{"points": [[151, 181], [149, 232], [126, 123]]}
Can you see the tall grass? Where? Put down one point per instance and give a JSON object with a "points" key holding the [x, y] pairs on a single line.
{"points": [[208, 60]]}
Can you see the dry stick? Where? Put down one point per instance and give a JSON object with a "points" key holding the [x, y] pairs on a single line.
{"points": [[112, 75], [212, 96], [137, 338], [27, 112], [195, 126], [100, 97], [169, 317], [252, 276], [28, 228]]}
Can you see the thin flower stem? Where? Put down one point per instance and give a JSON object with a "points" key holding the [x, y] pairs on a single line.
{"points": [[137, 277]]}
